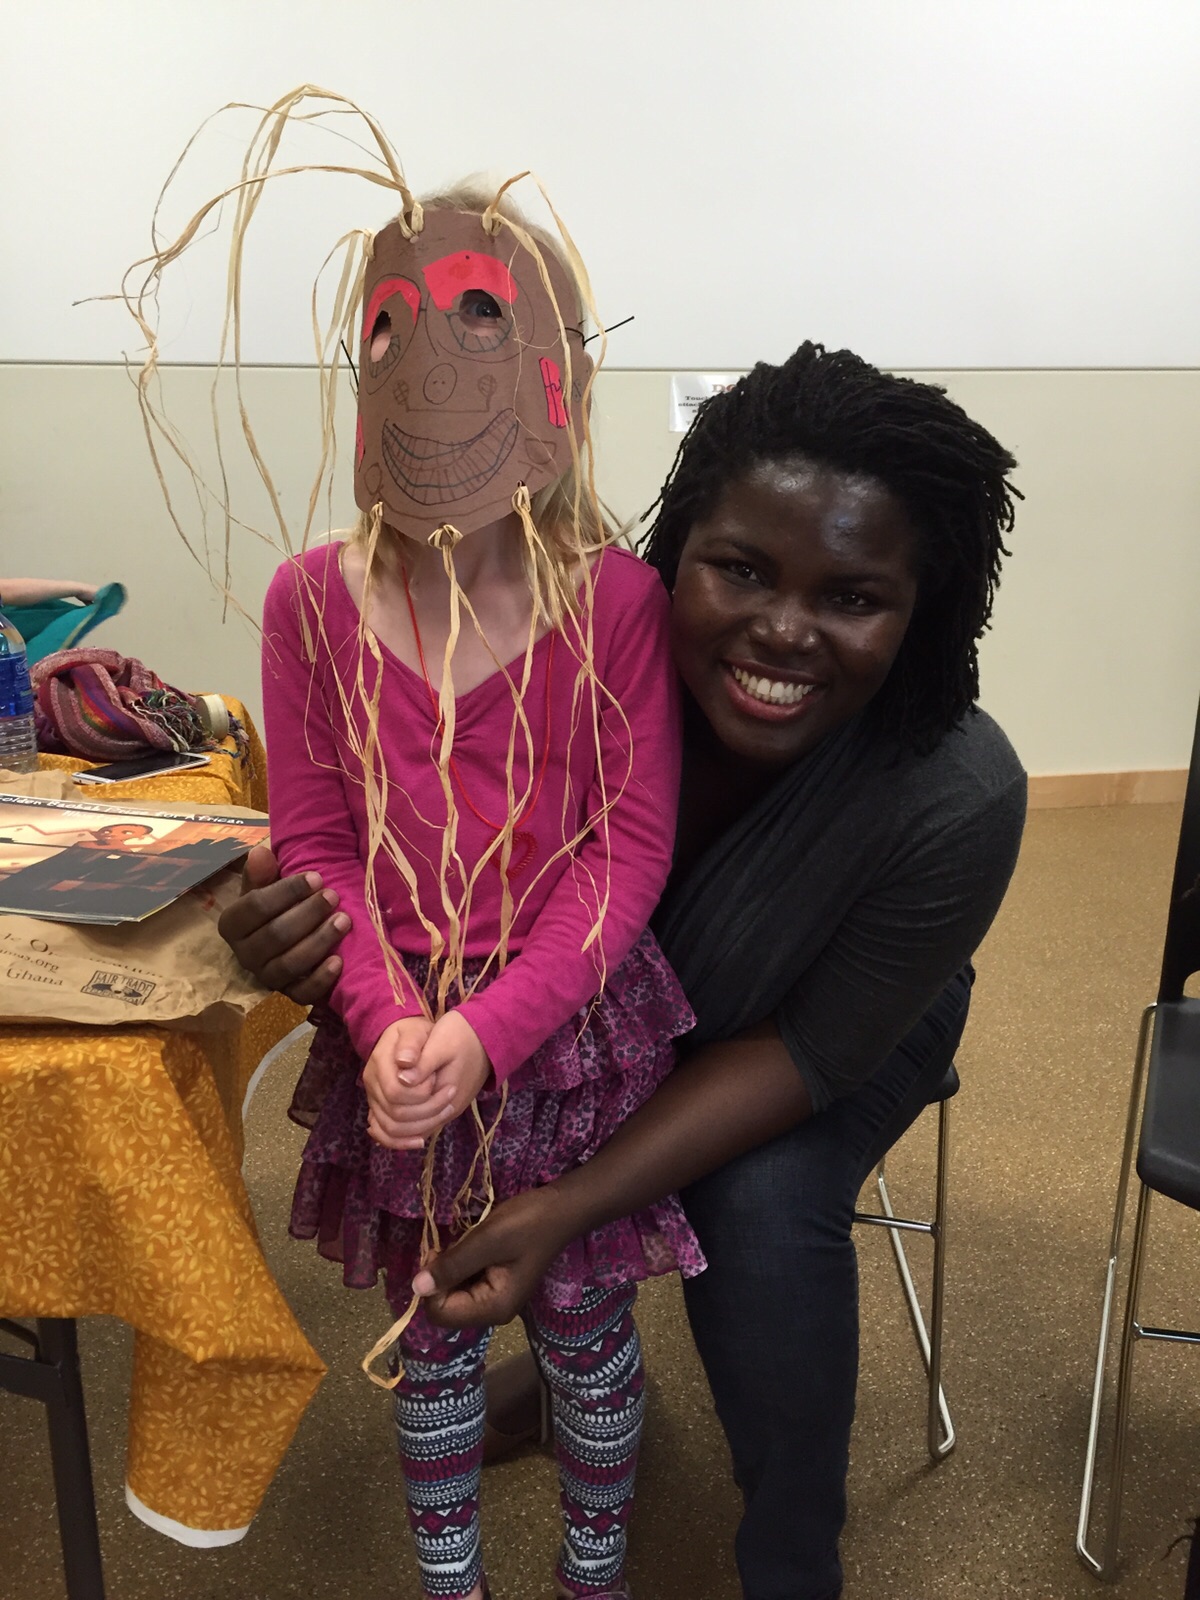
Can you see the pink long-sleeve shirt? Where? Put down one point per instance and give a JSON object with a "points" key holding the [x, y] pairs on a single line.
{"points": [[319, 813]]}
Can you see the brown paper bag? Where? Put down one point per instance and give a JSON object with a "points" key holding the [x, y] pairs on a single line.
{"points": [[49, 785], [173, 970]]}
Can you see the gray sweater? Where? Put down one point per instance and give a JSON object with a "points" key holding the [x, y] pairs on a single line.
{"points": [[848, 897]]}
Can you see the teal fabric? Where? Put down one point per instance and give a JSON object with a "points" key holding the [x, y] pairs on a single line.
{"points": [[61, 624]]}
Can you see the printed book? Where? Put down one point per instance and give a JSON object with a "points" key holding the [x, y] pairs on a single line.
{"points": [[70, 861]]}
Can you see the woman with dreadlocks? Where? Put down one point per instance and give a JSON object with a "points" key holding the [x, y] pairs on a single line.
{"points": [[831, 539]]}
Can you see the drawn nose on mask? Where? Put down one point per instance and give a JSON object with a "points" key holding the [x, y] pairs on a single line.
{"points": [[439, 385]]}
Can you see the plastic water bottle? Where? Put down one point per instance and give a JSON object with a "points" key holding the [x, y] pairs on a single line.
{"points": [[18, 738]]}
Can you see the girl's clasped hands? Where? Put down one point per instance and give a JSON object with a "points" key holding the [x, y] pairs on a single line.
{"points": [[421, 1075]]}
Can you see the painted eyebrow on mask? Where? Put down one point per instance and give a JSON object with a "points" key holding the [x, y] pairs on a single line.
{"points": [[465, 269]]}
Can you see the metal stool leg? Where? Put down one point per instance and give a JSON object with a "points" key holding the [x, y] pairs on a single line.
{"points": [[1129, 1336], [1104, 1565], [940, 1434]]}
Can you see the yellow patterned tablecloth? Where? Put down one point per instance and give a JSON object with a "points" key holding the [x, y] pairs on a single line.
{"points": [[121, 1195]]}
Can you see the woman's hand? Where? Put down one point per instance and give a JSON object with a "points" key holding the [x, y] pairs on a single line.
{"points": [[488, 1276], [727, 1098], [404, 1106], [285, 931]]}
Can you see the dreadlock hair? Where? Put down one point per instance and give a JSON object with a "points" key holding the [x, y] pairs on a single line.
{"points": [[835, 410]]}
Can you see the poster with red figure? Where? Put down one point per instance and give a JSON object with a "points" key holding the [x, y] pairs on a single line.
{"points": [[70, 861]]}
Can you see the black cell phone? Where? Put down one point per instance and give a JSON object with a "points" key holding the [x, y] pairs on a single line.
{"points": [[143, 767]]}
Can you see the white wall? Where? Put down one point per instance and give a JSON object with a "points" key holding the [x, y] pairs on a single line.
{"points": [[936, 183]]}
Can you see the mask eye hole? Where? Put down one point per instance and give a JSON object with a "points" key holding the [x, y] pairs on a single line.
{"points": [[479, 324], [389, 318], [480, 311], [381, 336]]}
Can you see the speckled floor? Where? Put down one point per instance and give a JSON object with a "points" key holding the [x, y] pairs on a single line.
{"points": [[1045, 1065]]}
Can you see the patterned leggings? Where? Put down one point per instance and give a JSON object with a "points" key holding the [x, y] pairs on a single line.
{"points": [[591, 1360]]}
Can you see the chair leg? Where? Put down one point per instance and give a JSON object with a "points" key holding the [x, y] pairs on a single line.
{"points": [[940, 1434], [71, 1462], [1105, 1565], [939, 1428], [1129, 1337]]}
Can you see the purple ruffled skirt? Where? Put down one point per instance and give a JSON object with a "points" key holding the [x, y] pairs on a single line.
{"points": [[362, 1203]]}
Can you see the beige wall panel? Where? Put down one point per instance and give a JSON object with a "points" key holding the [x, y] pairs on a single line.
{"points": [[1093, 664], [80, 499]]}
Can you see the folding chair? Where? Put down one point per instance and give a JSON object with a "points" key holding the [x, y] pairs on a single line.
{"points": [[939, 1429], [1167, 1064], [51, 1374]]}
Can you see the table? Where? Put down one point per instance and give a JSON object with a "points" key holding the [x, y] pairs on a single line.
{"points": [[121, 1195]]}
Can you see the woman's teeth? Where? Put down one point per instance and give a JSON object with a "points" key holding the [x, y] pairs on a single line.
{"points": [[772, 690]]}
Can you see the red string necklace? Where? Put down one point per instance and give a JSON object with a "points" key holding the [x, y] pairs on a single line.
{"points": [[524, 844]]}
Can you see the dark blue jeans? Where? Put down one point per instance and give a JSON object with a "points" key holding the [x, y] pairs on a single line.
{"points": [[775, 1317]]}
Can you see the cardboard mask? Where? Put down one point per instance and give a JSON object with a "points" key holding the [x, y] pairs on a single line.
{"points": [[461, 375]]}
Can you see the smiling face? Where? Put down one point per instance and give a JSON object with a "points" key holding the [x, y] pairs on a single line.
{"points": [[119, 833], [791, 602], [461, 375]]}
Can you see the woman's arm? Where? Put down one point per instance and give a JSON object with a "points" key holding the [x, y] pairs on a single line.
{"points": [[883, 965], [726, 1099], [36, 591]]}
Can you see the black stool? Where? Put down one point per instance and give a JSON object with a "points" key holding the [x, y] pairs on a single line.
{"points": [[1167, 1063]]}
